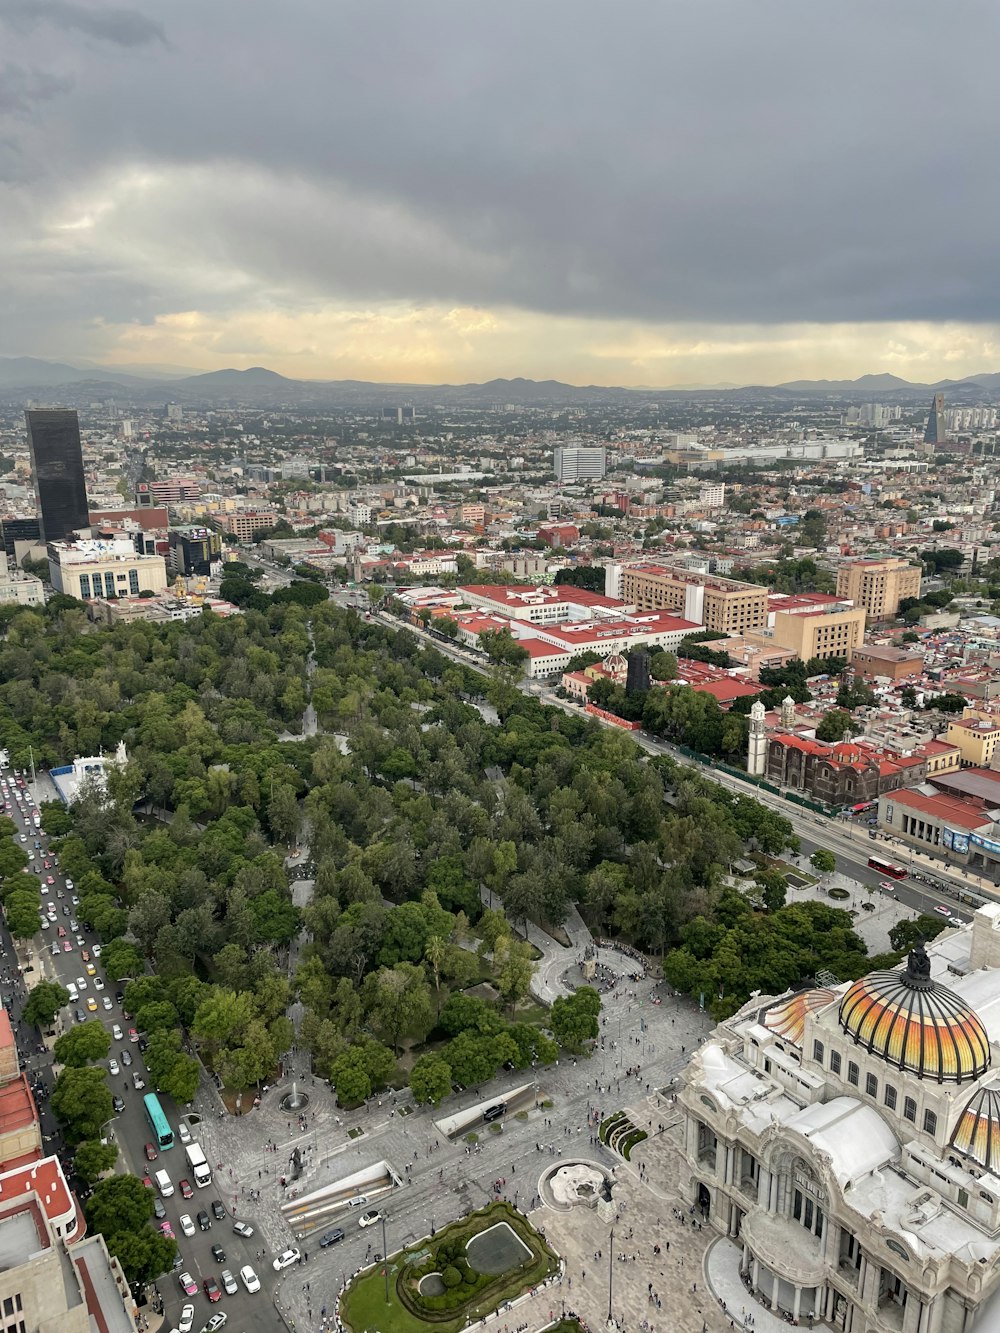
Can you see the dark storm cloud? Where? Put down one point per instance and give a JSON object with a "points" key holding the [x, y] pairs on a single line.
{"points": [[711, 160], [121, 26]]}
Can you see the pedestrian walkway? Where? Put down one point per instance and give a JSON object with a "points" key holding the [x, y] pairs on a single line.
{"points": [[722, 1270]]}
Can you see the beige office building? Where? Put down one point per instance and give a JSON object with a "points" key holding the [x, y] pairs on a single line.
{"points": [[823, 632], [726, 605], [106, 567], [878, 585]]}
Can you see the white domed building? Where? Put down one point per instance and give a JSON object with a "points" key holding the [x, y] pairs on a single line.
{"points": [[847, 1141]]}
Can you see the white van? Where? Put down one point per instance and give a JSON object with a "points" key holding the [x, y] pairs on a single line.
{"points": [[73, 992], [163, 1184]]}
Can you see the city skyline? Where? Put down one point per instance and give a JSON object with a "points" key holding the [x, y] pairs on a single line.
{"points": [[661, 197]]}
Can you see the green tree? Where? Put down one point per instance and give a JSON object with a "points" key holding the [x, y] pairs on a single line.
{"points": [[81, 1102], [122, 960], [82, 1045], [120, 1208], [823, 861], [173, 1071], [21, 910], [92, 1158], [836, 725], [514, 969], [399, 1001], [574, 1018], [349, 1078], [430, 1079], [44, 1002]]}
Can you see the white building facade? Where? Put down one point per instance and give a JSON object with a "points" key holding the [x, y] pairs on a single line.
{"points": [[580, 464], [847, 1140], [96, 568]]}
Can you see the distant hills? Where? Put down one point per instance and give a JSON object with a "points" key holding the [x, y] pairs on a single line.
{"points": [[27, 378]]}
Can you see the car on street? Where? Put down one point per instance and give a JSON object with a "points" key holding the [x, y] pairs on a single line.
{"points": [[183, 1133], [216, 1322], [187, 1226], [250, 1279], [212, 1289], [495, 1111], [149, 1150], [186, 1322], [166, 1229], [187, 1283], [941, 910], [81, 983], [887, 886], [159, 1209], [98, 983], [133, 1035], [370, 1218], [185, 1188], [204, 1221], [243, 1229], [331, 1237], [67, 947], [229, 1285], [285, 1260], [49, 879], [116, 1032], [91, 1004], [126, 1056], [218, 1212], [138, 1082], [106, 1003], [218, 1254], [118, 1103]]}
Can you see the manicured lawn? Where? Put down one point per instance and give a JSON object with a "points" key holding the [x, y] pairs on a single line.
{"points": [[363, 1307]]}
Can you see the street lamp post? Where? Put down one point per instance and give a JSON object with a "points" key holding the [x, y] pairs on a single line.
{"points": [[385, 1261], [611, 1272]]}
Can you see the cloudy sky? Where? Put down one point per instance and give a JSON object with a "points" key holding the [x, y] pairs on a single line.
{"points": [[604, 191]]}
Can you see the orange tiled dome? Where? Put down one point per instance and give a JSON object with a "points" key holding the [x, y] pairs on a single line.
{"points": [[977, 1133], [788, 1019], [916, 1024]]}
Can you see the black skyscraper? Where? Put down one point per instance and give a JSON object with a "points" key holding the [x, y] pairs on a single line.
{"points": [[57, 471]]}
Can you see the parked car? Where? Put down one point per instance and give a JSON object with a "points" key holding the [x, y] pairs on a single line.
{"points": [[186, 1321], [370, 1218], [187, 1283], [212, 1289], [331, 1237], [229, 1284]]}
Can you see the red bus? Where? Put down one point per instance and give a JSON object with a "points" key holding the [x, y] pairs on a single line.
{"points": [[886, 867], [862, 807]]}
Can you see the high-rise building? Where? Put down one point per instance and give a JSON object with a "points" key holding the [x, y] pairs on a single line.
{"points": [[878, 585], [579, 464], [936, 431], [57, 472]]}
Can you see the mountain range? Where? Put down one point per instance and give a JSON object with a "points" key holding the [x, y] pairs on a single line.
{"points": [[33, 378]]}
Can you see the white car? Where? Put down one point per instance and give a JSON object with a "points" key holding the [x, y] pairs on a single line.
{"points": [[107, 1002], [95, 949], [183, 1133], [186, 1321], [69, 884], [187, 1226], [370, 1218], [113, 1067], [81, 983], [250, 1279], [44, 923], [98, 983], [284, 1260], [116, 1032]]}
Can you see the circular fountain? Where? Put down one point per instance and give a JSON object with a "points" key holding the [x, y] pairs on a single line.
{"points": [[295, 1100]]}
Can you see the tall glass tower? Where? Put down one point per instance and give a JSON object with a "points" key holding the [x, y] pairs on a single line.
{"points": [[57, 472]]}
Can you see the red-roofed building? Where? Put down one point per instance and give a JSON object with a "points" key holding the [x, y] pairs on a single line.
{"points": [[840, 773], [541, 605]]}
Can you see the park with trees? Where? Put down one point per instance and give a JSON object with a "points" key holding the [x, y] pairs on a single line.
{"points": [[417, 806]]}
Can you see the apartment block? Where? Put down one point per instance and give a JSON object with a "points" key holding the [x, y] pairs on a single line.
{"points": [[726, 605], [244, 524], [878, 585]]}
